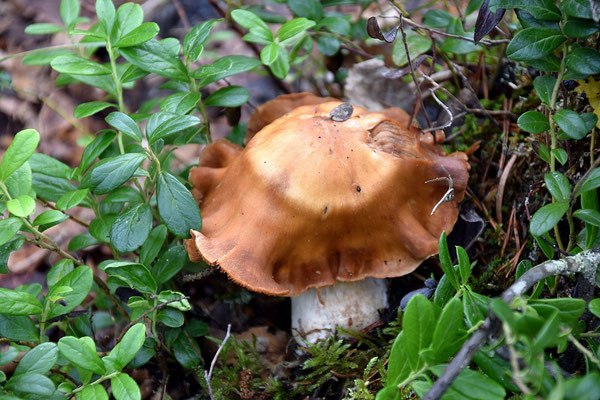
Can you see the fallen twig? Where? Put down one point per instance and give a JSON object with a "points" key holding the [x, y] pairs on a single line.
{"points": [[208, 374], [585, 263]]}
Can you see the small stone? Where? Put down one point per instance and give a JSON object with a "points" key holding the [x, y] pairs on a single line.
{"points": [[342, 112]]}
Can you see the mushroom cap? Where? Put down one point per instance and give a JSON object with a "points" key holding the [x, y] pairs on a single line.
{"points": [[268, 112], [311, 201]]}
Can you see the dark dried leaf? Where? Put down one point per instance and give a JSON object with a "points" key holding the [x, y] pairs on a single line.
{"points": [[486, 21], [375, 32]]}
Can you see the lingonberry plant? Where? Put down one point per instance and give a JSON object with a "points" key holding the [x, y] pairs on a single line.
{"points": [[543, 59]]}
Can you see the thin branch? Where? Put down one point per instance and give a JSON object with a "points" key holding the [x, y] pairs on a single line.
{"points": [[412, 72], [585, 263], [74, 218], [449, 195], [208, 374], [155, 308], [445, 107]]}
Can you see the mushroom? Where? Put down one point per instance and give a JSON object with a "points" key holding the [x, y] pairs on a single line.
{"points": [[321, 210]]}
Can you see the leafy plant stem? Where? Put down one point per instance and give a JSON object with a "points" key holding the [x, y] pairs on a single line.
{"points": [[202, 109], [74, 218], [553, 99], [118, 89], [43, 317], [584, 350], [97, 381], [414, 375]]}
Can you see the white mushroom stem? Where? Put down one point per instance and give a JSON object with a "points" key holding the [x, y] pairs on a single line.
{"points": [[354, 305]]}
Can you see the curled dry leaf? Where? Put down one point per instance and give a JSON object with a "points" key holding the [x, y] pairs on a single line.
{"points": [[375, 31]]}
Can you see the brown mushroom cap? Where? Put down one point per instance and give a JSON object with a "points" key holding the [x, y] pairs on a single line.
{"points": [[311, 201], [280, 105]]}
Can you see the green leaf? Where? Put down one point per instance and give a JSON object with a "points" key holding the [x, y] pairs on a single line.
{"points": [[72, 64], [547, 335], [9, 228], [591, 182], [125, 388], [136, 276], [19, 182], [541, 9], [42, 28], [168, 295], [281, 66], [576, 8], [111, 173], [472, 385], [127, 348], [49, 217], [546, 217], [50, 188], [82, 241], [230, 96], [13, 302], [130, 229], [295, 27], [49, 166], [19, 151], [81, 354], [447, 329], [591, 217], [100, 227], [8, 354], [180, 103], [579, 28], [437, 18], [594, 307], [80, 280], [455, 45], [95, 148], [162, 124], [533, 122], [310, 9], [195, 38], [475, 307], [558, 185], [258, 29], [496, 368], [446, 261], [152, 245], [534, 43], [169, 264], [176, 206], [22, 206], [93, 392], [43, 56], [19, 328], [156, 57], [571, 123], [443, 292], [184, 352], [128, 17], [549, 63], [170, 317], [464, 265], [416, 44], [86, 109], [58, 271], [69, 12], [223, 68], [124, 123], [328, 45], [38, 360], [336, 24], [584, 61], [139, 35], [71, 199], [544, 85], [269, 54], [417, 329], [29, 385], [560, 155]]}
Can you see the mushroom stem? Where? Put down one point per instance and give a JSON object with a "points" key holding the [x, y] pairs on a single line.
{"points": [[354, 305]]}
